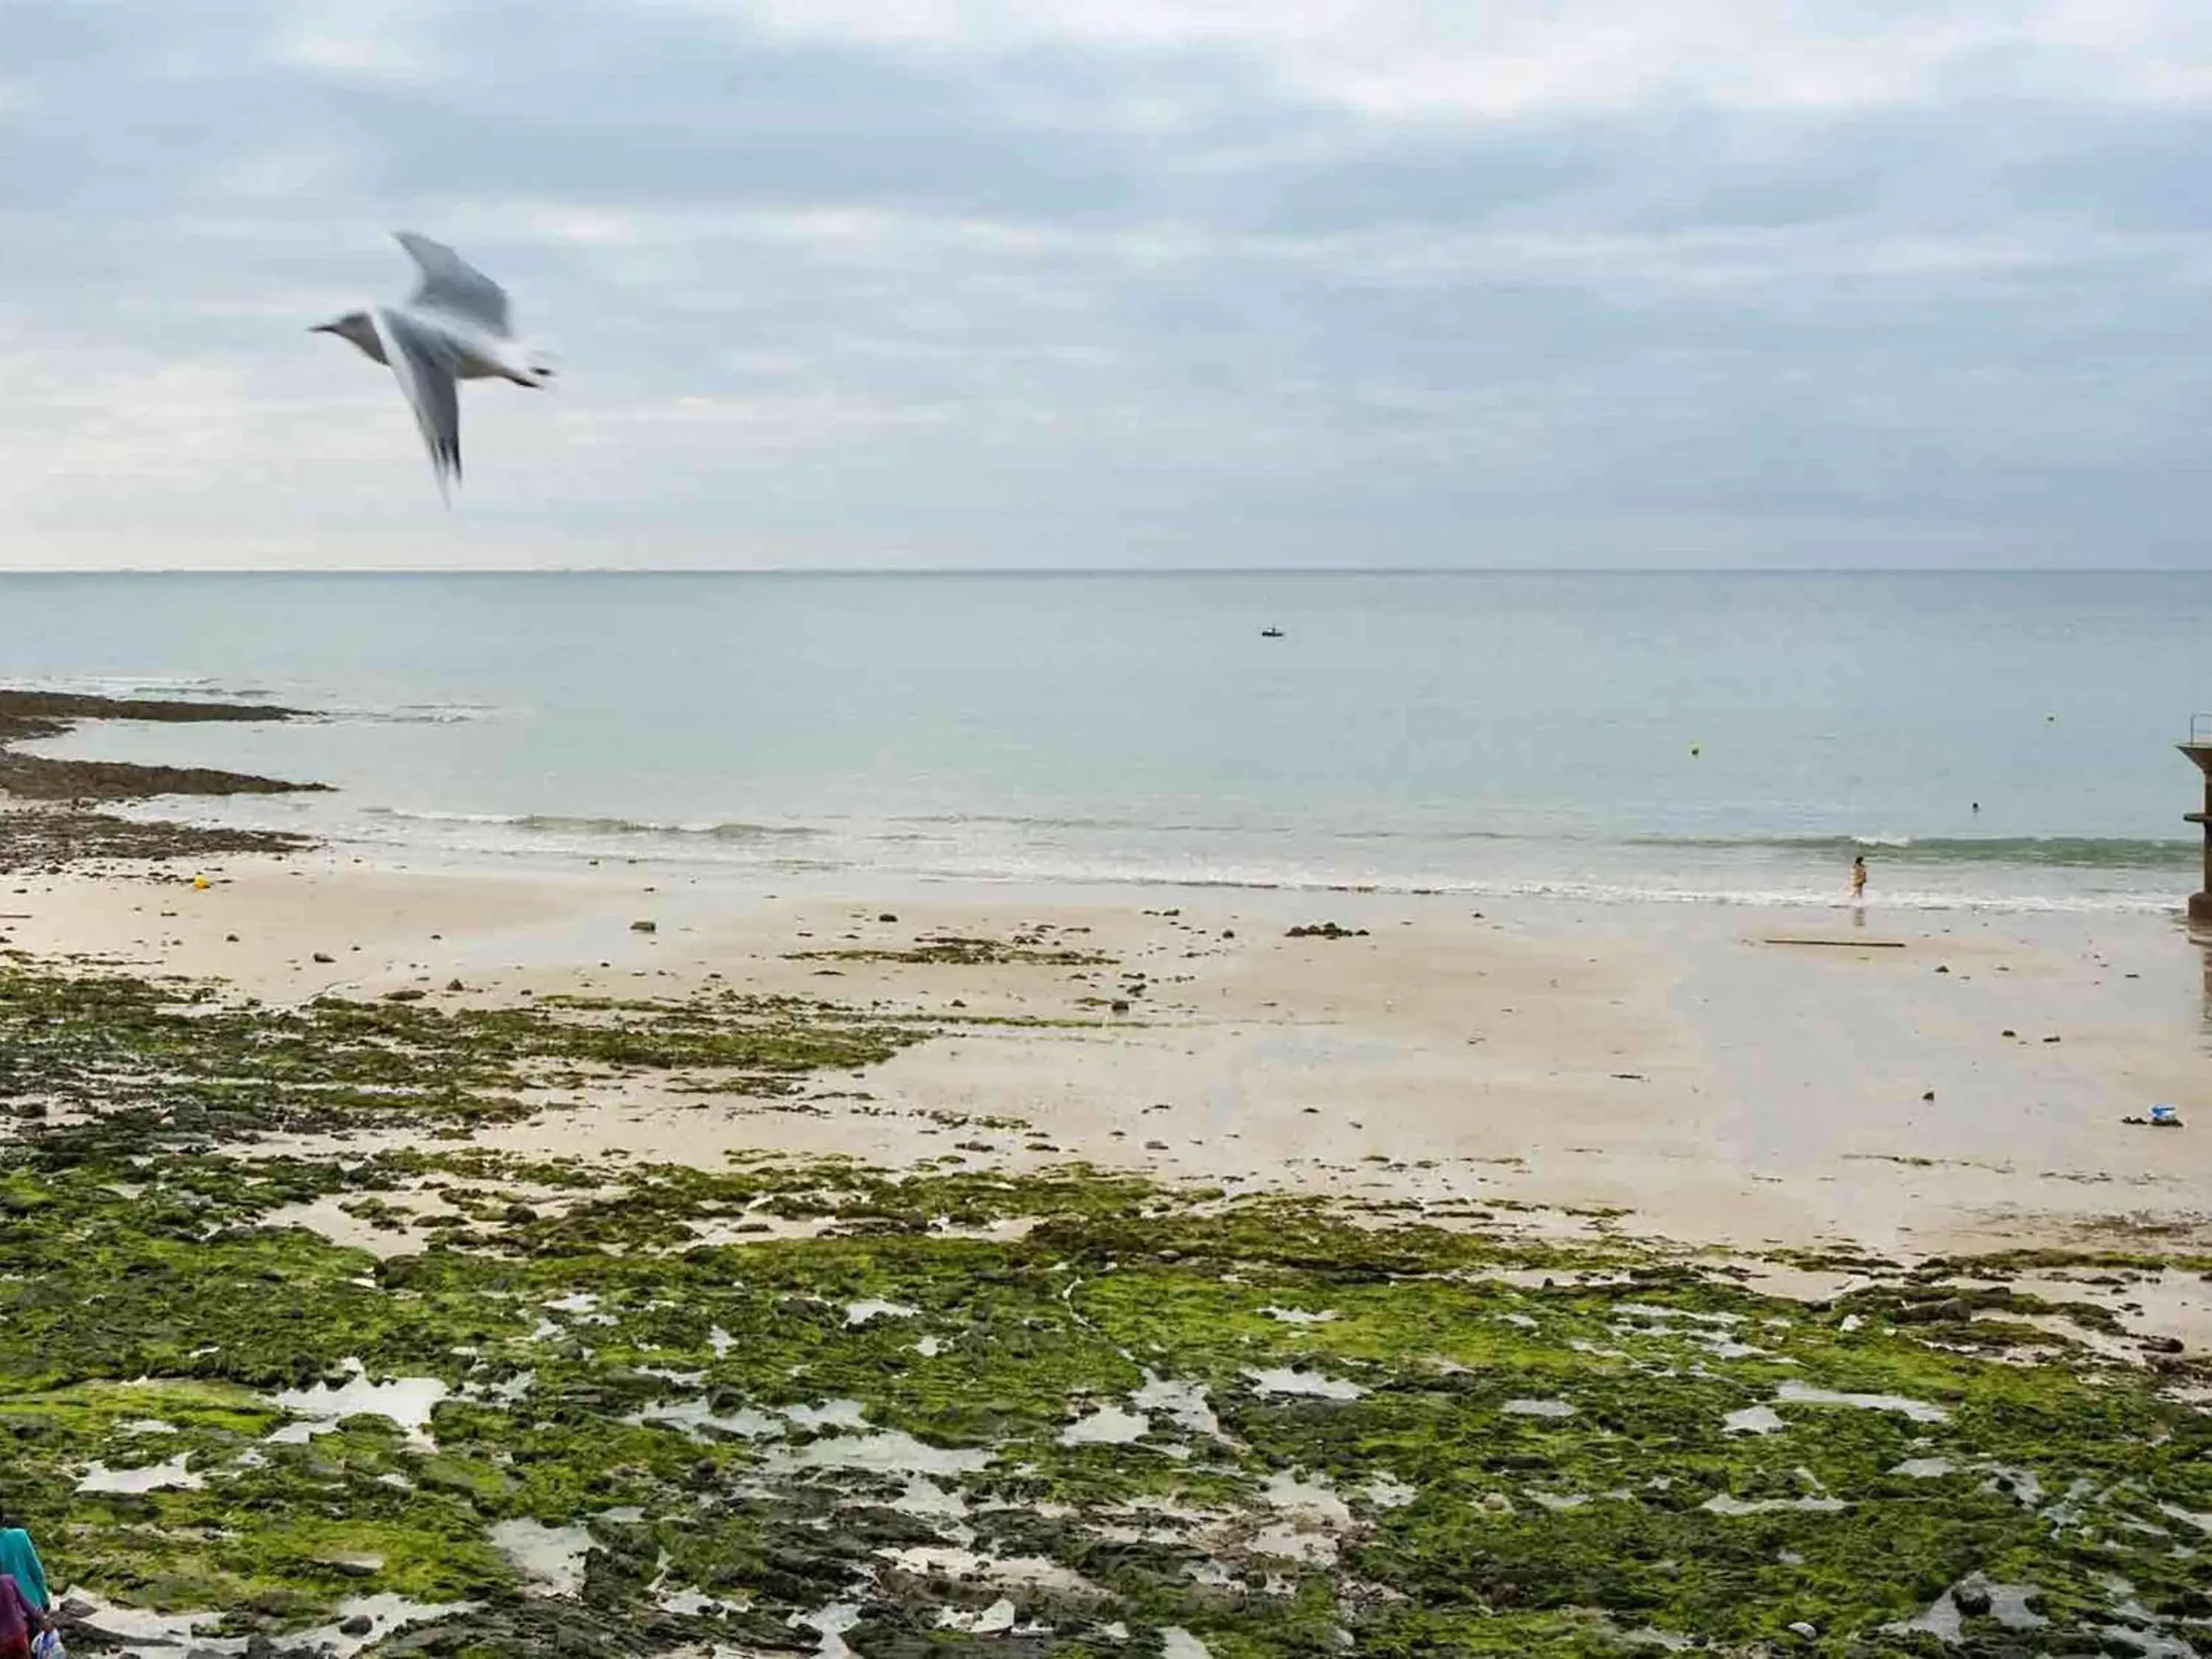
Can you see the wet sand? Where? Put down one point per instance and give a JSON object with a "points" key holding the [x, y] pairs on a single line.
{"points": [[1673, 1063]]}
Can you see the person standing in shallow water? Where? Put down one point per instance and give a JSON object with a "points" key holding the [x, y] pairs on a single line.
{"points": [[1858, 879]]}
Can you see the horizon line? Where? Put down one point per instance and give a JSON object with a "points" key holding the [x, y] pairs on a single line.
{"points": [[1110, 570]]}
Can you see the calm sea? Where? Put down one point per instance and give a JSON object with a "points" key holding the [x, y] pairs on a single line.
{"points": [[1680, 737]]}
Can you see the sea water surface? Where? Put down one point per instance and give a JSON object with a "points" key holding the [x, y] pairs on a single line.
{"points": [[1989, 740]]}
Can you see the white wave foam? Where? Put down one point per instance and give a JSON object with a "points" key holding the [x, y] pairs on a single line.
{"points": [[552, 824], [323, 712], [888, 855], [425, 815], [315, 709], [1586, 892], [168, 688]]}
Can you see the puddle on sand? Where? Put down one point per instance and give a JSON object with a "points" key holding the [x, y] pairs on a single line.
{"points": [[2200, 1519], [1753, 1420], [1386, 1492], [2009, 1605], [1727, 1348], [1943, 1619], [923, 1496], [2024, 1486], [859, 1313], [830, 1414], [1537, 1409], [833, 1622], [1925, 1468], [171, 1476], [408, 1402], [1287, 1541], [1650, 1636], [507, 1392], [327, 1217], [551, 1557], [956, 1562], [147, 1633], [888, 1451], [1313, 1385], [1313, 1514], [1181, 1403], [697, 1416], [1920, 1411], [1723, 1504], [1316, 1499], [751, 1227], [386, 1615], [1652, 1310], [1109, 1426], [995, 1621]]}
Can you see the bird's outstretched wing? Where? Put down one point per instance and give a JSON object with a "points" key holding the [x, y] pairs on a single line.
{"points": [[425, 365], [451, 283]]}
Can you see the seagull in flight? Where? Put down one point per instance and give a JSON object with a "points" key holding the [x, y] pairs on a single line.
{"points": [[452, 328]]}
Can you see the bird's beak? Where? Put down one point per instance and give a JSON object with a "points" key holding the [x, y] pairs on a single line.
{"points": [[323, 328]]}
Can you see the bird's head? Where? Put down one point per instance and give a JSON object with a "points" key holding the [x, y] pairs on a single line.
{"points": [[357, 326]]}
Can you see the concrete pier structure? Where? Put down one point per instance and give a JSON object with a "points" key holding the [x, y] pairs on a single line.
{"points": [[2199, 749]]}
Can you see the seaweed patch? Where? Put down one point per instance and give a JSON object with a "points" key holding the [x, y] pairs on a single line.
{"points": [[810, 1405]]}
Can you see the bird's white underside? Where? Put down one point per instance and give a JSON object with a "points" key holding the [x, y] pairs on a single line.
{"points": [[455, 327]]}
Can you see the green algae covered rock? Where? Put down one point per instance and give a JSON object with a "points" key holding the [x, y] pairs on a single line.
{"points": [[1064, 1413]]}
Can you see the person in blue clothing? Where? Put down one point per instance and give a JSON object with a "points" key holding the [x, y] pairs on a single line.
{"points": [[19, 1559]]}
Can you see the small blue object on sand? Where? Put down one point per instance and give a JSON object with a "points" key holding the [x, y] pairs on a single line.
{"points": [[2166, 1114]]}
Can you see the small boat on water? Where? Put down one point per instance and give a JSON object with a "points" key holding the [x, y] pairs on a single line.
{"points": [[1271, 633]]}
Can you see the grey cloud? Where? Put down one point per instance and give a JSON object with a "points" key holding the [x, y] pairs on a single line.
{"points": [[866, 300], [2145, 171]]}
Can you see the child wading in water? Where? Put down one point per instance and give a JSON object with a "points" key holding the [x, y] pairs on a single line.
{"points": [[1858, 879]]}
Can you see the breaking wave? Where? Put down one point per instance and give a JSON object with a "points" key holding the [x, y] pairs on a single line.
{"points": [[560, 823], [2047, 852]]}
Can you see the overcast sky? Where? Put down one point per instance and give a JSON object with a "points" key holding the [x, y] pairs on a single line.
{"points": [[1119, 281]]}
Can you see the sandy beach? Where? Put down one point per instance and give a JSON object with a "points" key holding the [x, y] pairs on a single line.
{"points": [[1911, 1085], [640, 1253]]}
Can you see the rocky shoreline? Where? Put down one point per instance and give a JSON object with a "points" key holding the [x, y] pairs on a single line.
{"points": [[311, 1351], [48, 820], [295, 1367]]}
